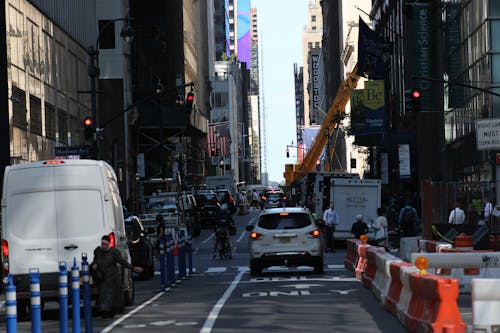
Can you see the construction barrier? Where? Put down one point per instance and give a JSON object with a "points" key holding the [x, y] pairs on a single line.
{"points": [[362, 260], [395, 287], [485, 305], [350, 260], [382, 280], [431, 246], [463, 266], [368, 276]]}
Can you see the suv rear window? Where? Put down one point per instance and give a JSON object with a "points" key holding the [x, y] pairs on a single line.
{"points": [[288, 221], [206, 198]]}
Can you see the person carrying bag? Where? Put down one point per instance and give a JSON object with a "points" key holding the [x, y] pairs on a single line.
{"points": [[380, 226]]}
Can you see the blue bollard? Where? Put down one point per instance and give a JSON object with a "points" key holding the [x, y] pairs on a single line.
{"points": [[36, 304], [170, 261], [182, 254], [11, 304], [63, 298], [75, 296], [87, 306], [163, 277], [190, 254]]}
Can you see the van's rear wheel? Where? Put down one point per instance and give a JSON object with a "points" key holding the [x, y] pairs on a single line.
{"points": [[129, 293]]}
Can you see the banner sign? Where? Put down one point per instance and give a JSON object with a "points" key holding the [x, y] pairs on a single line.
{"points": [[372, 53], [368, 109], [422, 50]]}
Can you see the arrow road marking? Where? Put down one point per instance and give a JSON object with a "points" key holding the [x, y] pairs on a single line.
{"points": [[342, 292]]}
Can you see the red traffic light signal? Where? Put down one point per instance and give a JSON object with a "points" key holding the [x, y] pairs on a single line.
{"points": [[212, 151], [287, 153], [188, 102], [190, 97], [415, 94], [88, 130]]}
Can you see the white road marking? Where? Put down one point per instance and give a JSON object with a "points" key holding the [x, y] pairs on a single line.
{"points": [[209, 238], [342, 292], [163, 323], [140, 307], [336, 266], [216, 269], [243, 234], [212, 317]]}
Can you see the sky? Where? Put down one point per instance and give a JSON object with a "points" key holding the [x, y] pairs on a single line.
{"points": [[280, 26]]}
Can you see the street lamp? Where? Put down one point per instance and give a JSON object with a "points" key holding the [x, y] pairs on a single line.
{"points": [[127, 34]]}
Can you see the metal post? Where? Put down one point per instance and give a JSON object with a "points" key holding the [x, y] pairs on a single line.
{"points": [[87, 306], [93, 72], [75, 296], [63, 298], [11, 305], [190, 254], [170, 260], [36, 308], [182, 255], [162, 263]]}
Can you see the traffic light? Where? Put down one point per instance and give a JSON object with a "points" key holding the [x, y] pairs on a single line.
{"points": [[412, 100], [287, 152], [188, 102], [212, 151], [88, 128]]}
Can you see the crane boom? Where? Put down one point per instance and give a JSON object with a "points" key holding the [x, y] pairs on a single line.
{"points": [[333, 117]]}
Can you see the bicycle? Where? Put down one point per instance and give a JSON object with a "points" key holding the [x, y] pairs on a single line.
{"points": [[224, 246]]}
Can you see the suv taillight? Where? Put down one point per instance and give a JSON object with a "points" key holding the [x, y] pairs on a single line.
{"points": [[112, 240], [230, 200], [255, 235], [313, 234], [5, 257]]}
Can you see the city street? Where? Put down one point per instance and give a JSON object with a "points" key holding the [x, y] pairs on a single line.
{"points": [[221, 296]]}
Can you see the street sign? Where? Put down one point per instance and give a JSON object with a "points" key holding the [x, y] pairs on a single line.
{"points": [[72, 150], [488, 133]]}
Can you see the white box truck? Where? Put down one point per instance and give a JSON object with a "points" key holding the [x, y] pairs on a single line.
{"points": [[52, 212], [221, 182], [352, 197]]}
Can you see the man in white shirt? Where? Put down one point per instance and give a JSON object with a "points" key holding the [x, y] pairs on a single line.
{"points": [[487, 210], [331, 219], [457, 215]]}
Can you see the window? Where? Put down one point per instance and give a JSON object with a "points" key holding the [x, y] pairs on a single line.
{"points": [[309, 45], [50, 121], [290, 221], [313, 18], [19, 107], [35, 115], [107, 34], [221, 99], [62, 122]]}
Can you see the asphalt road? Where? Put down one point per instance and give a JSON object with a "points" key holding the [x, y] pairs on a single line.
{"points": [[221, 296]]}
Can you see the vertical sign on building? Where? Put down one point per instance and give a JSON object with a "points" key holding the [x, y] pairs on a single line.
{"points": [[314, 92], [422, 50], [454, 53]]}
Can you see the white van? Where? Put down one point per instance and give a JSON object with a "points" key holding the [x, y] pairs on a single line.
{"points": [[52, 212]]}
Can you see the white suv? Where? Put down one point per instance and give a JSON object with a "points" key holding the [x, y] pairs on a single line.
{"points": [[285, 236]]}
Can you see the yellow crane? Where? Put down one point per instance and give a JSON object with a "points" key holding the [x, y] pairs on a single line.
{"points": [[332, 120]]}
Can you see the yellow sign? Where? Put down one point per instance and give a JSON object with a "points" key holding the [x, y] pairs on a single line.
{"points": [[374, 94]]}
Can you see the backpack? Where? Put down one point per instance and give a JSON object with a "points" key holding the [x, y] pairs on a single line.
{"points": [[409, 222]]}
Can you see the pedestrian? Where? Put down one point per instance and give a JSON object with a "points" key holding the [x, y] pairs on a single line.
{"points": [[255, 199], [380, 226], [408, 220], [487, 210], [331, 219], [359, 227], [472, 215], [457, 215], [107, 276]]}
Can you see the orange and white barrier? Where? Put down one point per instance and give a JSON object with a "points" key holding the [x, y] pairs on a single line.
{"points": [[382, 280], [351, 257], [362, 260], [485, 305], [431, 246], [463, 266], [370, 271]]}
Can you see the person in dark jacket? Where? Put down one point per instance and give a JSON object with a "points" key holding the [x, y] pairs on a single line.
{"points": [[359, 227], [105, 271]]}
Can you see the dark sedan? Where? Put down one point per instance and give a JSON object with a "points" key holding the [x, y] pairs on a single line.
{"points": [[140, 246]]}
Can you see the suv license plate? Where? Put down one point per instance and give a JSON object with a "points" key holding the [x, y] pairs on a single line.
{"points": [[284, 240]]}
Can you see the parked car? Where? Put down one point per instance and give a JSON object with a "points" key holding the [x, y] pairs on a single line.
{"points": [[191, 213], [208, 206], [140, 246], [285, 236], [273, 198], [225, 197]]}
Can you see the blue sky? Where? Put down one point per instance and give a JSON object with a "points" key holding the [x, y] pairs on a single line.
{"points": [[280, 25]]}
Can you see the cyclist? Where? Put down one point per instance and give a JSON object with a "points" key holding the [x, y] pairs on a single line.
{"points": [[224, 223]]}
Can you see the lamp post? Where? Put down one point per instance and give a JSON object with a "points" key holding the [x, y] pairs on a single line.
{"points": [[93, 71]]}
